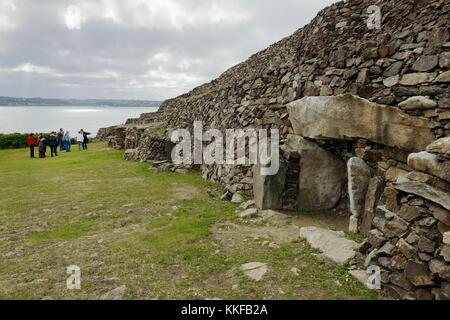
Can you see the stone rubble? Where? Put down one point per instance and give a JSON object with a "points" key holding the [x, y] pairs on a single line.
{"points": [[255, 270], [115, 294]]}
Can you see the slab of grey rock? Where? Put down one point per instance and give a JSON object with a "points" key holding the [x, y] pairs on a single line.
{"points": [[393, 70], [443, 77], [249, 213], [255, 270], [332, 244], [391, 81], [361, 276], [115, 294], [429, 163], [426, 63], [268, 190], [322, 175], [374, 192], [441, 214], [413, 79], [425, 191], [359, 174], [246, 205], [416, 103], [237, 198], [445, 252], [444, 59], [347, 117], [441, 146], [447, 238]]}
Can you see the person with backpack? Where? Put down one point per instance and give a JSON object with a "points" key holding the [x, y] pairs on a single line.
{"points": [[31, 144], [53, 143], [42, 142]]}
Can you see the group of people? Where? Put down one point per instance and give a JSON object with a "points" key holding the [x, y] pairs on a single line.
{"points": [[62, 139]]}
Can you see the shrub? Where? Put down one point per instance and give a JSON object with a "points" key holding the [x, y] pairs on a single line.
{"points": [[18, 140], [13, 141]]}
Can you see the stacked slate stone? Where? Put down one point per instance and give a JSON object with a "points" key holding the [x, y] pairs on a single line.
{"points": [[115, 136], [334, 54], [411, 228]]}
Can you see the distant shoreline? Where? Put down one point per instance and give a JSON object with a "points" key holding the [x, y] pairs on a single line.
{"points": [[25, 119], [50, 102]]}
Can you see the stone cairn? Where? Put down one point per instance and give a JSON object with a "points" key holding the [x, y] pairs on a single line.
{"points": [[364, 117]]}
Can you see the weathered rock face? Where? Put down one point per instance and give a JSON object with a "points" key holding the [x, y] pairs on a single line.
{"points": [[425, 191], [322, 174], [359, 175], [347, 117], [322, 177], [407, 239], [417, 103], [268, 190], [332, 244], [441, 146], [114, 135], [375, 189], [428, 162]]}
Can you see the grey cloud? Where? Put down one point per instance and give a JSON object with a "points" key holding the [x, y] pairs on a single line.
{"points": [[136, 49]]}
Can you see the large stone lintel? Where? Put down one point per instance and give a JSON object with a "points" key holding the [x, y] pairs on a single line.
{"points": [[347, 117]]}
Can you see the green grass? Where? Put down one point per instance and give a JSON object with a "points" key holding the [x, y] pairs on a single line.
{"points": [[123, 224]]}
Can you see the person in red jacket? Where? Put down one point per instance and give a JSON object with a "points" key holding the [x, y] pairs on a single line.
{"points": [[31, 143]]}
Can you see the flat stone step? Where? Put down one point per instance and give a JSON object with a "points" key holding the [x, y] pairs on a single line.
{"points": [[332, 244]]}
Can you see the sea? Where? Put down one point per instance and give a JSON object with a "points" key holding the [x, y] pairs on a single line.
{"points": [[16, 119]]}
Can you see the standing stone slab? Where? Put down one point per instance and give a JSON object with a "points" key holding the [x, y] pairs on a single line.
{"points": [[359, 174], [268, 190], [322, 177], [346, 117], [374, 192]]}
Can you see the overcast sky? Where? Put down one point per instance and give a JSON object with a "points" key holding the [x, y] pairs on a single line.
{"points": [[134, 49]]}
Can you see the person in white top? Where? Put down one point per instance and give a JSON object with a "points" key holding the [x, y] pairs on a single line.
{"points": [[80, 140]]}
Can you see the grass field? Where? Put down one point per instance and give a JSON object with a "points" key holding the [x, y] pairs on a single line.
{"points": [[161, 235]]}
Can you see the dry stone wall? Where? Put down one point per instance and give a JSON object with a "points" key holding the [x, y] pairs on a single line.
{"points": [[377, 100], [334, 54]]}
